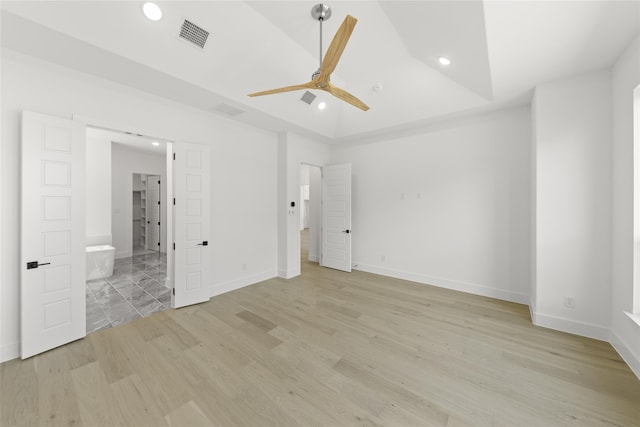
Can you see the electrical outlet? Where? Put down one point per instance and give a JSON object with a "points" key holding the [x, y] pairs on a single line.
{"points": [[569, 302]]}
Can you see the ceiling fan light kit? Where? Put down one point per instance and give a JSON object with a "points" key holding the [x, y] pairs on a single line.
{"points": [[320, 79]]}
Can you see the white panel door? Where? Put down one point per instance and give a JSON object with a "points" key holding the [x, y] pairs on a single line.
{"points": [[336, 217], [153, 212], [52, 275], [191, 224]]}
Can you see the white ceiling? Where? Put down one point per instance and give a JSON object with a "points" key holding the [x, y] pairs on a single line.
{"points": [[500, 51]]}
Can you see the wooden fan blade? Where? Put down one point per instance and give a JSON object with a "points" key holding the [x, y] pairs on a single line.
{"points": [[336, 48], [308, 85], [345, 96]]}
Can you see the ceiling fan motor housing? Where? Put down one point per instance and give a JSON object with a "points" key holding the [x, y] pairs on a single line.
{"points": [[321, 12]]}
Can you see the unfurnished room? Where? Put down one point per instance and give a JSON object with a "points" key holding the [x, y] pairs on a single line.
{"points": [[291, 213]]}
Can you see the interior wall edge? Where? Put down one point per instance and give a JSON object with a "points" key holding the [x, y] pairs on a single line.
{"points": [[571, 326], [455, 285], [242, 282], [289, 274], [465, 118], [9, 352], [632, 360]]}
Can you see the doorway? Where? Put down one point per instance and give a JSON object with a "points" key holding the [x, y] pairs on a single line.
{"points": [[136, 227], [310, 212]]}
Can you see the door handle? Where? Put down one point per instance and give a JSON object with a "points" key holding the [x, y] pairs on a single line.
{"points": [[35, 264], [346, 231], [205, 243]]}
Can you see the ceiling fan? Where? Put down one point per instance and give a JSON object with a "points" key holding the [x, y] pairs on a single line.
{"points": [[320, 79]]}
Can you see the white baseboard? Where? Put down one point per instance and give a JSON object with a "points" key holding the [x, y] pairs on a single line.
{"points": [[123, 254], [470, 288], [241, 282], [632, 359], [571, 326], [288, 274], [314, 258], [9, 352]]}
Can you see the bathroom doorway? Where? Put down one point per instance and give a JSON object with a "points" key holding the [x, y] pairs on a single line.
{"points": [[125, 210]]}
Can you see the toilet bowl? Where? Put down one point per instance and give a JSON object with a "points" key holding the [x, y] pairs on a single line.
{"points": [[100, 260]]}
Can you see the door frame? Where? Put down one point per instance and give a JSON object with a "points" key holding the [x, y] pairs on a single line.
{"points": [[298, 185], [91, 122]]}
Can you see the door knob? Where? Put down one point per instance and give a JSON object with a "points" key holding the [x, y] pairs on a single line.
{"points": [[346, 231], [205, 243]]}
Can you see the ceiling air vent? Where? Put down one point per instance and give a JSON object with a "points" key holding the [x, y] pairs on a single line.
{"points": [[194, 34], [227, 109], [308, 97]]}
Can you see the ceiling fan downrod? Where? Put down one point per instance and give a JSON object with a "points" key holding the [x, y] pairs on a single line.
{"points": [[320, 12]]}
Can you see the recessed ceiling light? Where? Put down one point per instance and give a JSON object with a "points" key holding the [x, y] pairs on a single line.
{"points": [[322, 105], [444, 61], [152, 11], [155, 143]]}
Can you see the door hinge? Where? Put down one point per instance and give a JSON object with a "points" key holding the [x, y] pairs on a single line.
{"points": [[173, 291], [174, 156], [174, 246], [158, 201], [174, 201], [158, 222], [158, 243], [158, 182]]}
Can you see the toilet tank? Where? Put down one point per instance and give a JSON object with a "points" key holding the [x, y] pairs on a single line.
{"points": [[100, 261]]}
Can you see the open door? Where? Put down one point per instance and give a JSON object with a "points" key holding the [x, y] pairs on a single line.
{"points": [[53, 257], [336, 217], [191, 219]]}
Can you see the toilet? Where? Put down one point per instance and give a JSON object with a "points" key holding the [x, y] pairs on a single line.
{"points": [[100, 260]]}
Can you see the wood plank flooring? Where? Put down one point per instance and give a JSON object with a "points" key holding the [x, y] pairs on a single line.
{"points": [[326, 349]]}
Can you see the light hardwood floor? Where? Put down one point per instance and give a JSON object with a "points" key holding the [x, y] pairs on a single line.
{"points": [[327, 349]]}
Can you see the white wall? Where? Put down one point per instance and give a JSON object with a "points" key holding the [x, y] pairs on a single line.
{"points": [[625, 334], [98, 184], [448, 207], [243, 159], [573, 204], [243, 204], [126, 162], [293, 151]]}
